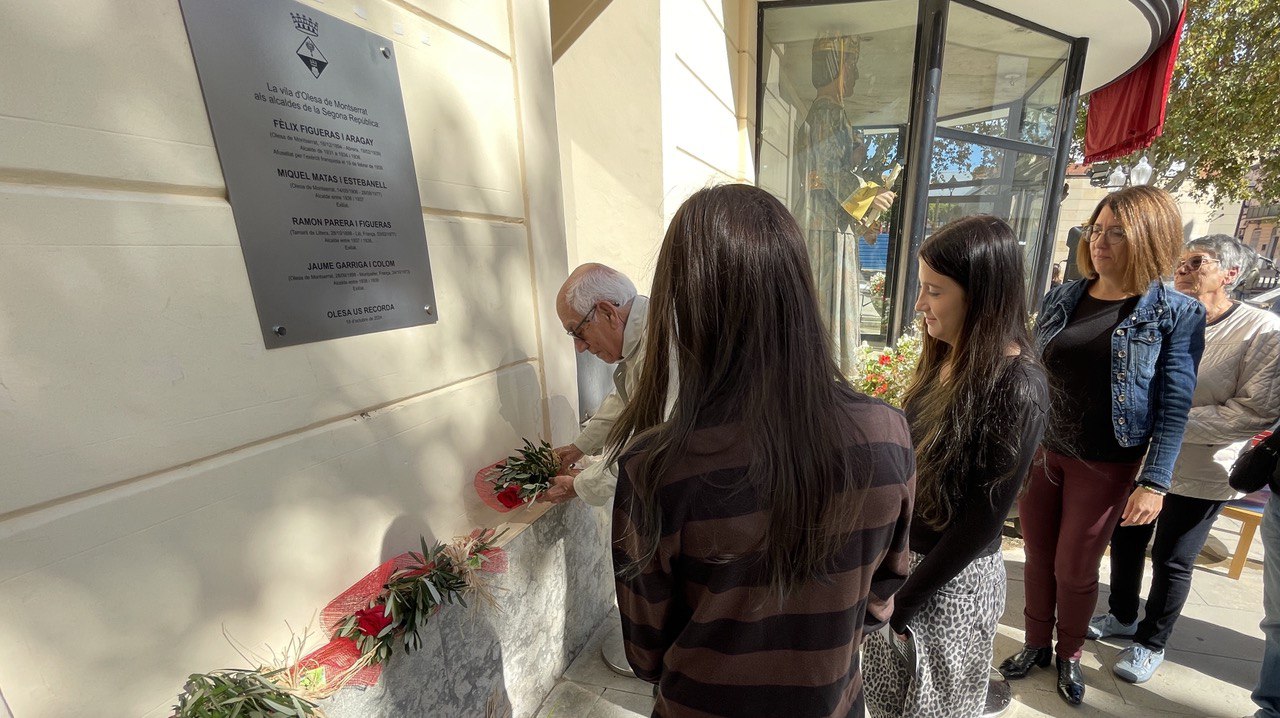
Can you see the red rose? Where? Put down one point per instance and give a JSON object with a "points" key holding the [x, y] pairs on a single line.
{"points": [[510, 496], [885, 359], [371, 621]]}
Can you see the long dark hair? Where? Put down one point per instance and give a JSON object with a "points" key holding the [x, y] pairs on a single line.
{"points": [[733, 294], [966, 424]]}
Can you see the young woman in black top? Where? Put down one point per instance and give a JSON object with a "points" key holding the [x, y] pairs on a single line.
{"points": [[977, 408]]}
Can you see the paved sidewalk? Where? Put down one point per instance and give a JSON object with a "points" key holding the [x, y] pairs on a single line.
{"points": [[589, 689], [1211, 663]]}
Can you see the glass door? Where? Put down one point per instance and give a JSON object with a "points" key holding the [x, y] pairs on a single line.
{"points": [[834, 101], [994, 146]]}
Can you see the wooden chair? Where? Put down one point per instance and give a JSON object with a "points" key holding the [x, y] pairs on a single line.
{"points": [[1249, 517]]}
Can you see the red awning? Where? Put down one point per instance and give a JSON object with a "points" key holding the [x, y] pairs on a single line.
{"points": [[1128, 114]]}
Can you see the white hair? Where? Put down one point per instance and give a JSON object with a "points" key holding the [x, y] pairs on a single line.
{"points": [[1228, 250], [596, 283]]}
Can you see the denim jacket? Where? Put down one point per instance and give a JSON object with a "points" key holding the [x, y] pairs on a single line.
{"points": [[1155, 354]]}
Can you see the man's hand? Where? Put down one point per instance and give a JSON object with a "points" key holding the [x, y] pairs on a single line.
{"points": [[560, 491], [883, 201], [1143, 507], [567, 455]]}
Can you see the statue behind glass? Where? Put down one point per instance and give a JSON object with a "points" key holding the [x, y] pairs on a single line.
{"points": [[838, 198]]}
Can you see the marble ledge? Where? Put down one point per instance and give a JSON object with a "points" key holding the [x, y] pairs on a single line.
{"points": [[473, 662]]}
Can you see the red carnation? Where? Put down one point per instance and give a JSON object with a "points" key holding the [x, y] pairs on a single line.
{"points": [[372, 620], [885, 359], [510, 496]]}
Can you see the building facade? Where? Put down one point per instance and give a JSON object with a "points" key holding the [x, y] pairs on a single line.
{"points": [[168, 479]]}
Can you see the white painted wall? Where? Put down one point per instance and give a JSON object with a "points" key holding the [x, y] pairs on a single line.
{"points": [[708, 95], [608, 103], [654, 100], [164, 475]]}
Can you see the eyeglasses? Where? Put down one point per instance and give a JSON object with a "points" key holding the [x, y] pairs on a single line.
{"points": [[1092, 233], [576, 331], [1193, 264]]}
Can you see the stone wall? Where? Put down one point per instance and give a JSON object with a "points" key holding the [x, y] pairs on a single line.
{"points": [[559, 587]]}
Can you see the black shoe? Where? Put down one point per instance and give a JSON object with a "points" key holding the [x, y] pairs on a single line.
{"points": [[1019, 664], [1070, 681]]}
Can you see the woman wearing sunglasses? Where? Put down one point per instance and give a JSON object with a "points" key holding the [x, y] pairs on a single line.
{"points": [[1237, 395], [1121, 350]]}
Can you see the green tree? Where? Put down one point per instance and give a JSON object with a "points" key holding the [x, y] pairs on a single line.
{"points": [[950, 156], [1223, 116]]}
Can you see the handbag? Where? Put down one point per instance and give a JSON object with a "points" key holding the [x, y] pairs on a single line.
{"points": [[1257, 465]]}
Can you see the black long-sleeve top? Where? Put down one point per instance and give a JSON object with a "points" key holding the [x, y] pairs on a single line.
{"points": [[974, 530], [1079, 360]]}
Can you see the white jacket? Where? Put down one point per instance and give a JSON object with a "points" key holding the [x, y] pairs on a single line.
{"points": [[597, 483], [1237, 395]]}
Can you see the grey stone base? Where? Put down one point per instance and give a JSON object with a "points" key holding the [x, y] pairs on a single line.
{"points": [[558, 588]]}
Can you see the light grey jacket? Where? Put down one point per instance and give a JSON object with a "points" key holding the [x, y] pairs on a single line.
{"points": [[1237, 395]]}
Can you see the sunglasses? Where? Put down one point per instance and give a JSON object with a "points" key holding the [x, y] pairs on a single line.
{"points": [[1194, 263]]}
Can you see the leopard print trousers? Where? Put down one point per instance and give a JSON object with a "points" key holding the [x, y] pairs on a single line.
{"points": [[954, 631]]}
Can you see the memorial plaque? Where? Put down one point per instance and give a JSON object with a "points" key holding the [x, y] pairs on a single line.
{"points": [[310, 128]]}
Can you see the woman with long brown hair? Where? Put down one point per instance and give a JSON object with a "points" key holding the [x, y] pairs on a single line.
{"points": [[977, 407], [761, 528]]}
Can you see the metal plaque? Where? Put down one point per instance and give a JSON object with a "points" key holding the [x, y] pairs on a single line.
{"points": [[310, 128]]}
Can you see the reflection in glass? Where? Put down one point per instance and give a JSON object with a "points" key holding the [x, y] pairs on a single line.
{"points": [[835, 101], [997, 123], [1000, 79], [835, 98], [973, 178]]}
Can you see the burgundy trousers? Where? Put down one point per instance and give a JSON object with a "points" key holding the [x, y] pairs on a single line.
{"points": [[1067, 515]]}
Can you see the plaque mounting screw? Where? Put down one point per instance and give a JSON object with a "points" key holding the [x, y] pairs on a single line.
{"points": [[278, 331], [386, 53], [428, 309]]}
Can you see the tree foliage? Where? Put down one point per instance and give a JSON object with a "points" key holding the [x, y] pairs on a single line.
{"points": [[1223, 115], [952, 156]]}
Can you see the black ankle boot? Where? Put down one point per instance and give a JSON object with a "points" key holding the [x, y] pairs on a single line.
{"points": [[1019, 664], [1070, 681]]}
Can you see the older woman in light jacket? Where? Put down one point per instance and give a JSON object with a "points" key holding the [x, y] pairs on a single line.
{"points": [[1237, 395]]}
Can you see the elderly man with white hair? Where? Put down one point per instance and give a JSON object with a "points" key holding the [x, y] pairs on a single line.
{"points": [[600, 309], [1237, 395]]}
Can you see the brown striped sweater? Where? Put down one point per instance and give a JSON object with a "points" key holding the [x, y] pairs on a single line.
{"points": [[702, 627]]}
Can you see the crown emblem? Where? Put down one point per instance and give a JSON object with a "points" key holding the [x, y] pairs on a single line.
{"points": [[305, 24]]}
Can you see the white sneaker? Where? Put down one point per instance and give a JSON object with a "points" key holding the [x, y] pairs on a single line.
{"points": [[1108, 625], [1137, 663]]}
